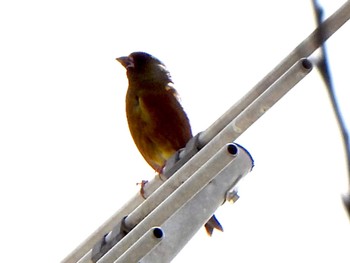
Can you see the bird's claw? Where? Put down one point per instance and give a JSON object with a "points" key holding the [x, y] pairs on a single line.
{"points": [[142, 189]]}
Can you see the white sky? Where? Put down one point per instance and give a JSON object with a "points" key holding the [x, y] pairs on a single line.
{"points": [[67, 161]]}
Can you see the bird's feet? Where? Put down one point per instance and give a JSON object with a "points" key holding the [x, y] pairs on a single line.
{"points": [[142, 189]]}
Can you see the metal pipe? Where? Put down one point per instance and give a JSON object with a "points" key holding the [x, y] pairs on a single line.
{"points": [[185, 222], [162, 211], [142, 247], [304, 49]]}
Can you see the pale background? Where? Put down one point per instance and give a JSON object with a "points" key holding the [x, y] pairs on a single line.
{"points": [[67, 161]]}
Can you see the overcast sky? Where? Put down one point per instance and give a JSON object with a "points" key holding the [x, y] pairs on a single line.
{"points": [[67, 160]]}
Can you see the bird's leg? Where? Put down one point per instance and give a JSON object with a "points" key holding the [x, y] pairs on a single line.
{"points": [[142, 189], [159, 172]]}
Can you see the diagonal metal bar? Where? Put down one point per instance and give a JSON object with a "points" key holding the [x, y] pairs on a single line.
{"points": [[304, 49]]}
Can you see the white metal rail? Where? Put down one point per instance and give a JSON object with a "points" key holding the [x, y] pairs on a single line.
{"points": [[225, 130]]}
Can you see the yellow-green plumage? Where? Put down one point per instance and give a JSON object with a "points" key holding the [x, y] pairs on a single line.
{"points": [[157, 122]]}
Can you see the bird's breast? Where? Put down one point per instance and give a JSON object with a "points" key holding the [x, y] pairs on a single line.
{"points": [[157, 123]]}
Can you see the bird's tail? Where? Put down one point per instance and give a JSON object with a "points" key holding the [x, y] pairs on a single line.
{"points": [[212, 224]]}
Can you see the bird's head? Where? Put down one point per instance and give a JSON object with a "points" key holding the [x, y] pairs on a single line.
{"points": [[141, 66]]}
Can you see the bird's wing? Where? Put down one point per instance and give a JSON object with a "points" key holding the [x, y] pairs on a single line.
{"points": [[170, 88], [167, 122]]}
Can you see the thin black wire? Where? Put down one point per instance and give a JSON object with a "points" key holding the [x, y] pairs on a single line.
{"points": [[323, 67]]}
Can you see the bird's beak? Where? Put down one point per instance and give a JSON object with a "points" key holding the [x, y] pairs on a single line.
{"points": [[127, 62]]}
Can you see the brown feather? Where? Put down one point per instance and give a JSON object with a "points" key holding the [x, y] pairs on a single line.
{"points": [[157, 121]]}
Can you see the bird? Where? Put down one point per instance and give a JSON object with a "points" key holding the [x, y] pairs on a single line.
{"points": [[157, 122]]}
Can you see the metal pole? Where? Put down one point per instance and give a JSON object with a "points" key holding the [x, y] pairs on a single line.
{"points": [[185, 222], [304, 49], [169, 206], [142, 247]]}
